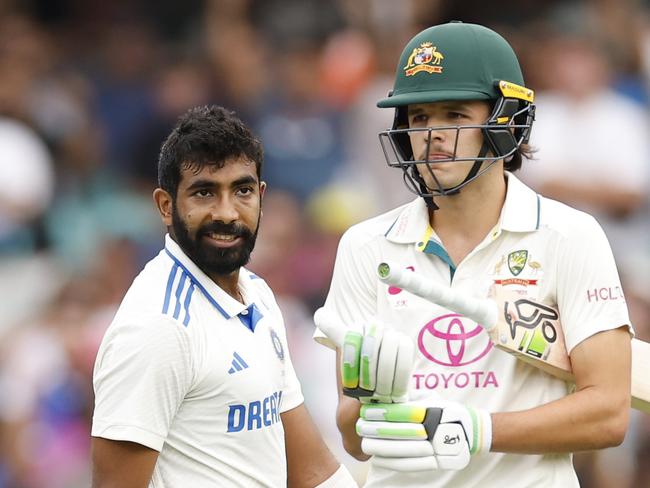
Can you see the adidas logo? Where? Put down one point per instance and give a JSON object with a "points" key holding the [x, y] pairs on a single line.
{"points": [[237, 363]]}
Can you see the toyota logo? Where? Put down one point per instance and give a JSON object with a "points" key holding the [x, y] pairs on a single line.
{"points": [[451, 329]]}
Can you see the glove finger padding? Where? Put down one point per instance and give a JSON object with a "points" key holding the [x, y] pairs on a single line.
{"points": [[398, 449], [403, 369], [409, 465], [452, 431], [391, 430], [370, 357], [350, 358], [377, 364], [402, 455], [393, 412], [386, 366]]}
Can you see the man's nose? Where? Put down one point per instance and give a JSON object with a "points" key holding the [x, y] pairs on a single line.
{"points": [[224, 210], [435, 133]]}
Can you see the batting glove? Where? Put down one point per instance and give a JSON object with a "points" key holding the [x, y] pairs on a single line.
{"points": [[412, 437], [376, 364]]}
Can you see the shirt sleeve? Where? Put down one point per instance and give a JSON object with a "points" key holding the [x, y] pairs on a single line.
{"points": [[142, 373], [291, 392], [352, 298], [589, 293]]}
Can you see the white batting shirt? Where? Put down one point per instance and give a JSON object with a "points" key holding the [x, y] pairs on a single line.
{"points": [[198, 376], [545, 250]]}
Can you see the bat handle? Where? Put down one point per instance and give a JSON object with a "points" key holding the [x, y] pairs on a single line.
{"points": [[481, 310], [330, 327]]}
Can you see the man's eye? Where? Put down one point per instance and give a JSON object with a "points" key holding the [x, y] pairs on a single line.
{"points": [[245, 190], [419, 119], [457, 115], [203, 193]]}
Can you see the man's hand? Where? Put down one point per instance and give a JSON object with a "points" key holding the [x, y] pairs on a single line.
{"points": [[375, 364], [412, 437]]}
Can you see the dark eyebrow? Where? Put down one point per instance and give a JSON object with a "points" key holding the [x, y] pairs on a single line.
{"points": [[201, 184], [244, 180]]}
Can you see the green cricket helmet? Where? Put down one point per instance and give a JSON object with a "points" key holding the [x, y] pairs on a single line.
{"points": [[458, 61]]}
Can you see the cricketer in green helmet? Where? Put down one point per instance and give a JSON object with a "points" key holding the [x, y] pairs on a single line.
{"points": [[423, 393]]}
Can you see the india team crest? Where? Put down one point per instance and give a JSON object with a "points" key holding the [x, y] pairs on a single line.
{"points": [[424, 58], [277, 345], [517, 261]]}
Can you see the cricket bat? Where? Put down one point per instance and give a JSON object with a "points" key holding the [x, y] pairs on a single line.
{"points": [[517, 325]]}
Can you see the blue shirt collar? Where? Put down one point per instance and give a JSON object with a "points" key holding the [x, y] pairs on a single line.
{"points": [[222, 301]]}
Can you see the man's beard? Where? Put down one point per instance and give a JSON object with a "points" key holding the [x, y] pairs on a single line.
{"points": [[210, 259]]}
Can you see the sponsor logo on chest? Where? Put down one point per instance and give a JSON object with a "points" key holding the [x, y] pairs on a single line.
{"points": [[517, 268], [455, 343], [255, 415]]}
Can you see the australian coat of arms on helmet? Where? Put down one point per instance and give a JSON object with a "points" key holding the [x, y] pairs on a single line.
{"points": [[426, 57]]}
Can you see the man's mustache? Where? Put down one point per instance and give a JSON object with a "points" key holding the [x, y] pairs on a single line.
{"points": [[229, 229]]}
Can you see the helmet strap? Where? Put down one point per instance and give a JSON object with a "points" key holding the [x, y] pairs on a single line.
{"points": [[431, 205], [425, 192]]}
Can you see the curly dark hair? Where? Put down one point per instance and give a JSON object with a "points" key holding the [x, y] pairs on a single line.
{"points": [[523, 151], [207, 135]]}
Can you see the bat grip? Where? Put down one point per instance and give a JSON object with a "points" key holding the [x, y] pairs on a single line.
{"points": [[481, 310]]}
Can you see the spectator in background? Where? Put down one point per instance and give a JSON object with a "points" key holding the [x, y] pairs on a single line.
{"points": [[27, 187], [178, 85], [301, 132], [129, 51], [46, 372], [593, 146], [365, 169], [242, 81]]}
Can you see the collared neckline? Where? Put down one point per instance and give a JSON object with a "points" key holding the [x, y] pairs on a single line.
{"points": [[521, 209], [222, 301], [411, 224]]}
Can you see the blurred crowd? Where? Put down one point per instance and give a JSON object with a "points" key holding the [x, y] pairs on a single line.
{"points": [[89, 89]]}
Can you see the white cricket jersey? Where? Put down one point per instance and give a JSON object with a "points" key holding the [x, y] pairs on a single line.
{"points": [[543, 249], [196, 375]]}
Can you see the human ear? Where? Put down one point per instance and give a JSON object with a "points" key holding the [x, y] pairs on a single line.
{"points": [[164, 203]]}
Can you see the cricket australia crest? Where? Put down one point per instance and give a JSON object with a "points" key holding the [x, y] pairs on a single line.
{"points": [[522, 273], [517, 261]]}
